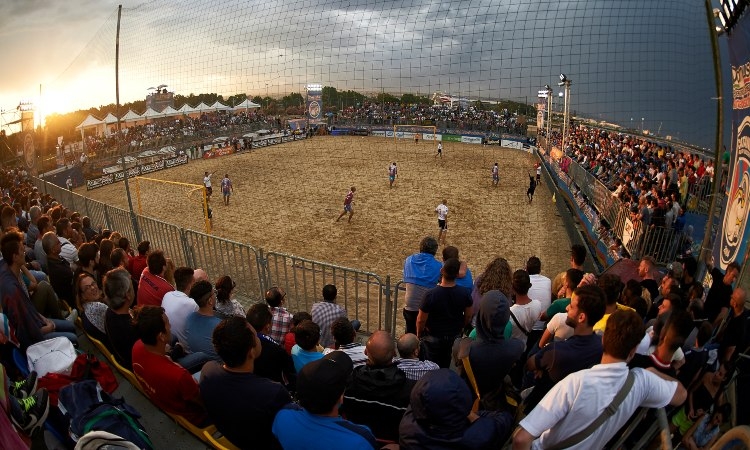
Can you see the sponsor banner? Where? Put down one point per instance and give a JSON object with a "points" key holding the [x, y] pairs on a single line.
{"points": [[432, 137], [404, 135], [378, 133], [451, 138], [732, 232], [518, 145], [389, 133], [118, 176], [471, 140], [628, 232], [216, 152], [314, 102]]}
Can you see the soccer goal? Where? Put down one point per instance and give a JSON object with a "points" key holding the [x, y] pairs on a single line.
{"points": [[416, 132], [159, 194]]}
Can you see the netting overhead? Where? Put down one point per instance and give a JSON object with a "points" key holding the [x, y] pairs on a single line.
{"points": [[641, 64]]}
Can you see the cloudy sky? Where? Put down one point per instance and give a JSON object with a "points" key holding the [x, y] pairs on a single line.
{"points": [[638, 63]]}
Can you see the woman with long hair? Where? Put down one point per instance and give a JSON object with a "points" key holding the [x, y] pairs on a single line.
{"points": [[496, 276], [227, 306], [90, 305]]}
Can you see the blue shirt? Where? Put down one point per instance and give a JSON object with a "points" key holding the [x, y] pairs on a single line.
{"points": [[302, 357], [198, 332], [296, 428]]}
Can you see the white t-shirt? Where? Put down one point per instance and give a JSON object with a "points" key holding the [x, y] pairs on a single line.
{"points": [[527, 315], [558, 328], [576, 401], [178, 306], [442, 211], [541, 289], [207, 181]]}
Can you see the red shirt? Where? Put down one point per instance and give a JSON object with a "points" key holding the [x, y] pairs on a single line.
{"points": [[136, 266], [289, 342], [151, 289], [168, 384], [349, 198]]}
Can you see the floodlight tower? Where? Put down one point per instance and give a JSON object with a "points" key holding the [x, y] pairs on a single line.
{"points": [[564, 81]]}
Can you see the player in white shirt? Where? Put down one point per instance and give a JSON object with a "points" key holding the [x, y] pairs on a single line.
{"points": [[442, 213]]}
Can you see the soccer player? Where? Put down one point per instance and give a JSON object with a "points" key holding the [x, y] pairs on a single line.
{"points": [[442, 213], [440, 150], [207, 183], [227, 188], [495, 175], [538, 172], [392, 173], [348, 204], [532, 187], [416, 138]]}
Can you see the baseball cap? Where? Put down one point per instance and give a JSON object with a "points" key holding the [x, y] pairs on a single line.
{"points": [[320, 383]]}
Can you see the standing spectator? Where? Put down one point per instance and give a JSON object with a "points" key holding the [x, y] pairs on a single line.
{"points": [[421, 272], [716, 306], [325, 313], [282, 319], [646, 272], [735, 338], [446, 309], [541, 286], [240, 403], [464, 278]]}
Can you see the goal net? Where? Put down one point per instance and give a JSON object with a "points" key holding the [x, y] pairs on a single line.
{"points": [[415, 132], [167, 200]]}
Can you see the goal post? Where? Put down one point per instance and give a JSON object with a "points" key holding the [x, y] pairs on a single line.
{"points": [[195, 193], [423, 132]]}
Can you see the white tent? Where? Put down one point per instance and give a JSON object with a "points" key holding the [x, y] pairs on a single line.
{"points": [[169, 112], [90, 122], [220, 106], [185, 109], [247, 104], [130, 118], [151, 114], [110, 119]]}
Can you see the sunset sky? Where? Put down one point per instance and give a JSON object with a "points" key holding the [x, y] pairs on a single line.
{"points": [[638, 63]]}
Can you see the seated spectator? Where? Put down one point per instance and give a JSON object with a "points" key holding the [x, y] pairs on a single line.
{"points": [[557, 329], [696, 356], [273, 363], [344, 340], [325, 313], [541, 286], [68, 250], [570, 281], [89, 301], [378, 392], [153, 284], [178, 305], [734, 339], [282, 319], [582, 396], [199, 325], [240, 403], [581, 351], [525, 311], [30, 327], [121, 336], [702, 396], [577, 259], [106, 263], [167, 384], [88, 256], [612, 288], [225, 305], [408, 350], [492, 355], [307, 335], [42, 294], [289, 339], [45, 226], [439, 417], [320, 391], [58, 269], [706, 430]]}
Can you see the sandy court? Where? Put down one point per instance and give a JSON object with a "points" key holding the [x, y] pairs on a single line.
{"points": [[287, 198]]}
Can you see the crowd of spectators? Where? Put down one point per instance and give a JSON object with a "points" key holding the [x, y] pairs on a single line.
{"points": [[268, 377]]}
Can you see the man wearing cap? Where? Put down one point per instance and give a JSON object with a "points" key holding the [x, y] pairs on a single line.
{"points": [[241, 404], [317, 424]]}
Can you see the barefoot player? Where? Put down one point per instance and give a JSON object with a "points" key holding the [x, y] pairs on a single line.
{"points": [[442, 214], [392, 173], [348, 204]]}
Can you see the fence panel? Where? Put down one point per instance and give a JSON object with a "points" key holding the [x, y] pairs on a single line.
{"points": [[166, 237], [361, 293], [219, 257], [119, 220]]}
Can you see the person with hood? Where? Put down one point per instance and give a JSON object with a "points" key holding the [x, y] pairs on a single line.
{"points": [[378, 392], [492, 355], [439, 416], [421, 273]]}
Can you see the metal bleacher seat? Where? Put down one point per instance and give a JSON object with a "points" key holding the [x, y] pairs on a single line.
{"points": [[127, 374]]}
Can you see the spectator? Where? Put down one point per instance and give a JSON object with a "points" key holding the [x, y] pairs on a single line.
{"points": [[646, 272], [581, 351], [138, 263], [588, 392], [612, 288], [320, 391], [153, 285], [200, 324], [717, 304], [577, 259], [58, 269], [282, 319], [32, 232], [273, 363], [446, 309], [464, 278], [289, 339], [241, 404], [496, 276], [541, 286], [68, 250], [344, 337], [88, 256], [45, 226], [121, 336], [705, 431], [226, 305], [571, 280], [735, 335], [325, 313], [88, 231], [421, 272], [410, 364], [178, 305], [525, 312], [306, 336], [92, 309], [440, 417], [167, 384], [378, 392]]}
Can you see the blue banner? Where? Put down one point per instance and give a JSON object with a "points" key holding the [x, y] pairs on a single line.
{"points": [[732, 233], [314, 103]]}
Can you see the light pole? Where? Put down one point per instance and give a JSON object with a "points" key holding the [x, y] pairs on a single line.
{"points": [[268, 102], [642, 119], [549, 116], [564, 81]]}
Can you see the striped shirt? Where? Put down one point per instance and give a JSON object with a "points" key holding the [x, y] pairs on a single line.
{"points": [[416, 369]]}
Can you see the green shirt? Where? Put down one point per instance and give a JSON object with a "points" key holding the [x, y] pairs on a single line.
{"points": [[558, 306]]}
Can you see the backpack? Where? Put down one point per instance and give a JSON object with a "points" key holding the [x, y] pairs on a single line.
{"points": [[91, 409], [100, 440]]}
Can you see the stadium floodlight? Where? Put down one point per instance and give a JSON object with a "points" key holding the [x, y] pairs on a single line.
{"points": [[563, 79]]}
